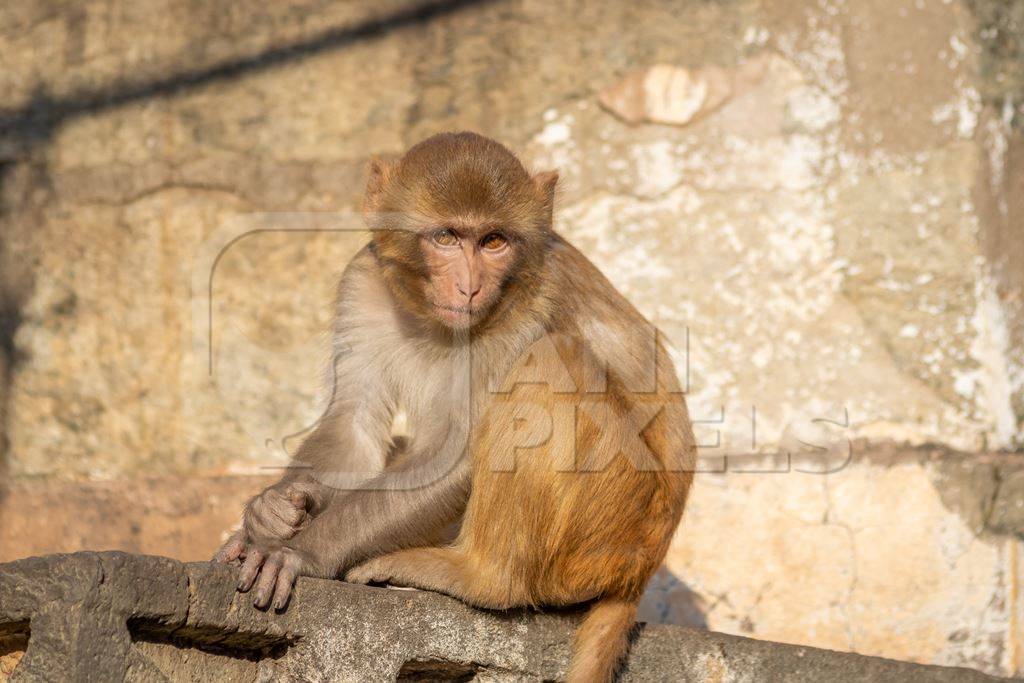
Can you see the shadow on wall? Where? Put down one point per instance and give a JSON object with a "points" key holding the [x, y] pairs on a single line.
{"points": [[27, 129], [11, 298], [668, 600], [35, 122]]}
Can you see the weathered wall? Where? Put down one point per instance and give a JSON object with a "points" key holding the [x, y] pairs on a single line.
{"points": [[110, 616], [835, 235], [824, 233]]}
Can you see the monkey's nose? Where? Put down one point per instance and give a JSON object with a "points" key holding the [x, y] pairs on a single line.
{"points": [[462, 291]]}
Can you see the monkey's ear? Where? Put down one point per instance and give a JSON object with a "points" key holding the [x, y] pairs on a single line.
{"points": [[379, 174], [545, 182]]}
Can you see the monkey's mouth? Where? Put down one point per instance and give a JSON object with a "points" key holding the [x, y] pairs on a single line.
{"points": [[455, 309], [457, 315]]}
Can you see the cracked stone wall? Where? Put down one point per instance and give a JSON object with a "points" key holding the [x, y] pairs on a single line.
{"points": [[819, 201], [145, 618]]}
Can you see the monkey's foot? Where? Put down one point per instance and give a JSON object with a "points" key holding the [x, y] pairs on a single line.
{"points": [[232, 549], [371, 571], [276, 572]]}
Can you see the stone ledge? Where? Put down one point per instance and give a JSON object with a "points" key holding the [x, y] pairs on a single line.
{"points": [[113, 616]]}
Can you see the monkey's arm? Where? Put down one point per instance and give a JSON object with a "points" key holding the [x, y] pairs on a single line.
{"points": [[278, 512], [329, 460], [402, 507]]}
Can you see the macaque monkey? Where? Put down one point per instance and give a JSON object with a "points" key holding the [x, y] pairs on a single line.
{"points": [[487, 374]]}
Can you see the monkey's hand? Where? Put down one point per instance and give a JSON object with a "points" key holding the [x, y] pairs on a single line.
{"points": [[270, 519], [278, 513], [273, 517]]}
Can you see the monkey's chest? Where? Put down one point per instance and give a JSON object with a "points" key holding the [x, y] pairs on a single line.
{"points": [[430, 423], [432, 398]]}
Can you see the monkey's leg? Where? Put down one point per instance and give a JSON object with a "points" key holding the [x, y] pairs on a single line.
{"points": [[443, 570]]}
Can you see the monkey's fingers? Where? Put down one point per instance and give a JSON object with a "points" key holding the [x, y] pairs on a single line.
{"points": [[251, 566], [291, 515], [301, 495], [264, 590], [232, 548], [298, 498], [273, 516], [285, 582]]}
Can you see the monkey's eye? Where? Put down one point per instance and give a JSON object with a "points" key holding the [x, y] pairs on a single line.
{"points": [[493, 241], [446, 238]]}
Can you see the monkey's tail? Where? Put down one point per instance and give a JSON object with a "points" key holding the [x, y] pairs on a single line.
{"points": [[602, 641]]}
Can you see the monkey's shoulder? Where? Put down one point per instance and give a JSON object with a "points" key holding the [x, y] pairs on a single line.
{"points": [[601, 325], [583, 291]]}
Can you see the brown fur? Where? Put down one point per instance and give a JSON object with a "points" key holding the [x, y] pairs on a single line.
{"points": [[578, 451]]}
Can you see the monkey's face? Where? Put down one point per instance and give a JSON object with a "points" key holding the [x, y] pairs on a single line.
{"points": [[466, 268], [460, 228]]}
